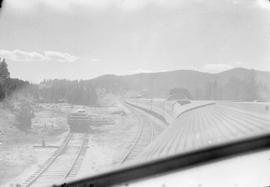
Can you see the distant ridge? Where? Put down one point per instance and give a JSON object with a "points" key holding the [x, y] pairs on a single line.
{"points": [[200, 84]]}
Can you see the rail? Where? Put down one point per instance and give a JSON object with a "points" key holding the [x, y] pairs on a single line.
{"points": [[56, 156], [139, 139], [79, 156], [48, 163]]}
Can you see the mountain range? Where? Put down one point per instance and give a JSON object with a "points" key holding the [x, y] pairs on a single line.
{"points": [[233, 84]]}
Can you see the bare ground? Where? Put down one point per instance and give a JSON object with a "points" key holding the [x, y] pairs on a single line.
{"points": [[108, 142], [17, 154]]}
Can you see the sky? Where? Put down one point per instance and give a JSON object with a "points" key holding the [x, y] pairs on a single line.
{"points": [[83, 39]]}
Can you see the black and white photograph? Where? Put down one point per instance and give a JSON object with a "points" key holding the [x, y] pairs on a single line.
{"points": [[135, 93]]}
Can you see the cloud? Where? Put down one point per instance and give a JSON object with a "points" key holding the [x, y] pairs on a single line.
{"points": [[64, 5], [216, 68], [20, 55], [136, 71], [67, 5], [61, 57]]}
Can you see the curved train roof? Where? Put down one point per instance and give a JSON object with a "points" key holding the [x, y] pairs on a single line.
{"points": [[213, 125]]}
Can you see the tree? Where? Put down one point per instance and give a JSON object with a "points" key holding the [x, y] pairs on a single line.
{"points": [[251, 87], [242, 90], [2, 92], [4, 73], [74, 92], [233, 89], [198, 93], [4, 76], [179, 93], [212, 90], [14, 84], [24, 116]]}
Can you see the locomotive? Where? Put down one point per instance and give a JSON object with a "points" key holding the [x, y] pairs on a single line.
{"points": [[79, 121]]}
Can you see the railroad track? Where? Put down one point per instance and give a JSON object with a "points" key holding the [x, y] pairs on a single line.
{"points": [[145, 135], [63, 164]]}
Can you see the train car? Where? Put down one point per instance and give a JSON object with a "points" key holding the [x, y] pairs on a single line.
{"points": [[79, 121]]}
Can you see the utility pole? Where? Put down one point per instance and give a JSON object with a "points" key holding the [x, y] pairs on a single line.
{"points": [[43, 143], [151, 103]]}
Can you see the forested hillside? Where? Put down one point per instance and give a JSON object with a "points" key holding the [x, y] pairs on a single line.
{"points": [[74, 92], [9, 85], [237, 84]]}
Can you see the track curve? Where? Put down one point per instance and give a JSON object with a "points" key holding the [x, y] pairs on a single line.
{"points": [[146, 133]]}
